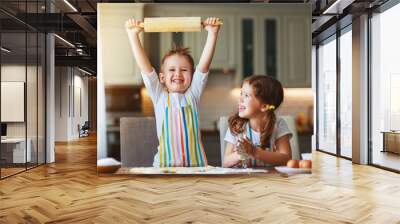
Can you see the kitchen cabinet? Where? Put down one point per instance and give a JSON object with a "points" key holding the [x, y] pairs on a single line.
{"points": [[224, 57], [279, 46], [253, 40], [115, 57], [259, 44], [225, 51], [297, 52]]}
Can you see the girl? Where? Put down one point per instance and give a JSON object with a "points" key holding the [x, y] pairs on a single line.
{"points": [[255, 135], [175, 94]]}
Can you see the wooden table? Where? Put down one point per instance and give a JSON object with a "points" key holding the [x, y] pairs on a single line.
{"points": [[391, 141], [229, 172], [14, 148]]}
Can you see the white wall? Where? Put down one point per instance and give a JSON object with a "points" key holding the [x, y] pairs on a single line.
{"points": [[12, 73], [79, 117], [71, 93], [61, 103]]}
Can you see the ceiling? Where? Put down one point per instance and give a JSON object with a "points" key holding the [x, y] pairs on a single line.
{"points": [[76, 22], [77, 26]]}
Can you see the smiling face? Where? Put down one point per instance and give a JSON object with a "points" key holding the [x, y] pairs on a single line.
{"points": [[176, 73], [249, 106]]}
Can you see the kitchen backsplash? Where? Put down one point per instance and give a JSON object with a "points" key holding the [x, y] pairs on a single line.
{"points": [[299, 102]]}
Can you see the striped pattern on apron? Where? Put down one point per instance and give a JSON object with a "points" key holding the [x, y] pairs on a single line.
{"points": [[251, 162], [180, 140]]}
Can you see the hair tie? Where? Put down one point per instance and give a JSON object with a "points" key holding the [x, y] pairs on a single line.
{"points": [[271, 107]]}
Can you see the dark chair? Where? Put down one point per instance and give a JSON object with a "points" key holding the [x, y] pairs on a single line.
{"points": [[138, 141], [84, 130]]}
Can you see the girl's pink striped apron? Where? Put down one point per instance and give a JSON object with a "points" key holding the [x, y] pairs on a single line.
{"points": [[180, 140]]}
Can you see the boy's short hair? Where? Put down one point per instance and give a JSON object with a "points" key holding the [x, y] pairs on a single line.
{"points": [[185, 52]]}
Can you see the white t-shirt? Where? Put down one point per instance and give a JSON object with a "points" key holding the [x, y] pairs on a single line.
{"points": [[159, 97], [281, 129]]}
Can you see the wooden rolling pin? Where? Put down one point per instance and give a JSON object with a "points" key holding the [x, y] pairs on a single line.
{"points": [[173, 24]]}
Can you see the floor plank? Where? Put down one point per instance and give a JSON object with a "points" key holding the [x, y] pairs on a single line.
{"points": [[70, 191]]}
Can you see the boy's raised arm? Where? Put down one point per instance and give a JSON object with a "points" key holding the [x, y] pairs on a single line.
{"points": [[133, 29], [209, 48]]}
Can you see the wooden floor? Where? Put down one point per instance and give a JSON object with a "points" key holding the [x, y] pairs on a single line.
{"points": [[70, 191], [386, 159], [10, 171]]}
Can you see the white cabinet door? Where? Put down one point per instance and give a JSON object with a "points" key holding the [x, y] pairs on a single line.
{"points": [[297, 71], [257, 49], [225, 51], [165, 43], [116, 58]]}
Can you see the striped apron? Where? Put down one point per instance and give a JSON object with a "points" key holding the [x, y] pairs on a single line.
{"points": [[180, 140], [251, 162]]}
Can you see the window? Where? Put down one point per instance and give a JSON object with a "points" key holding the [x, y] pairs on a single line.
{"points": [[22, 65], [346, 93], [385, 88], [327, 95]]}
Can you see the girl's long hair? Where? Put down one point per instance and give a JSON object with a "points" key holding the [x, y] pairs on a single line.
{"points": [[268, 91]]}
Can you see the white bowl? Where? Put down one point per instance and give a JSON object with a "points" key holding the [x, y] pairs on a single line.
{"points": [[288, 170]]}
